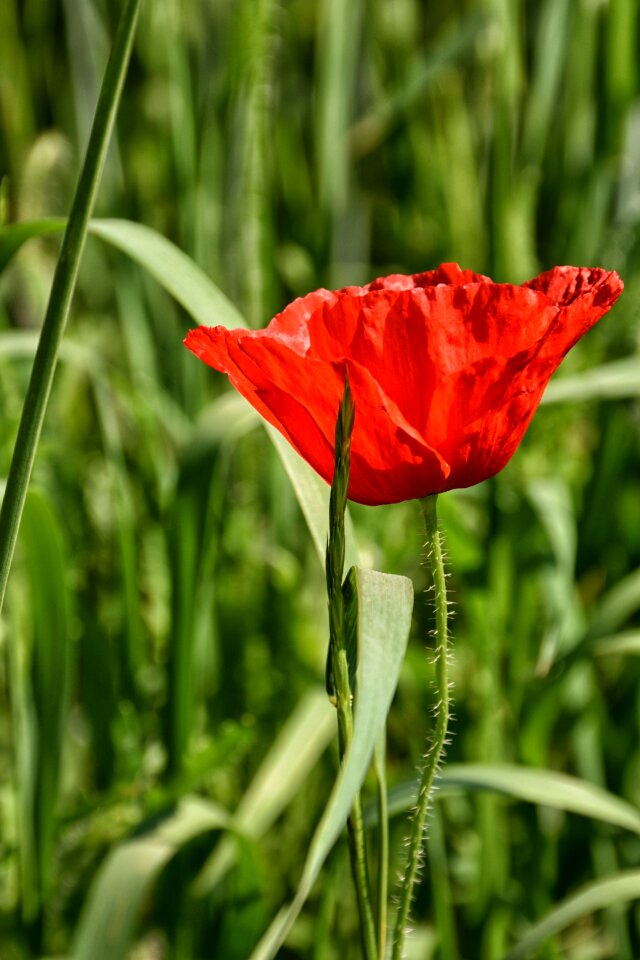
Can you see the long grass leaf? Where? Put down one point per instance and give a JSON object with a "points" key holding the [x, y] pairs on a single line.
{"points": [[206, 303], [456, 43], [616, 606], [313, 496], [173, 270], [108, 922], [543, 787], [43, 555], [611, 381], [626, 642], [614, 890], [298, 746], [14, 235]]}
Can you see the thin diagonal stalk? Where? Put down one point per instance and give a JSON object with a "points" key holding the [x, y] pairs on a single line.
{"points": [[62, 289], [432, 759], [338, 672], [379, 764]]}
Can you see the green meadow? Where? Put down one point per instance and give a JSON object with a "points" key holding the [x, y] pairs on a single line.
{"points": [[166, 744]]}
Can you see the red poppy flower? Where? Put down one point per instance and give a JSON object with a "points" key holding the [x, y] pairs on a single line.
{"points": [[446, 369]]}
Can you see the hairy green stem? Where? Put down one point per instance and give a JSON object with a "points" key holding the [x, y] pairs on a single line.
{"points": [[434, 752], [62, 288], [338, 671]]}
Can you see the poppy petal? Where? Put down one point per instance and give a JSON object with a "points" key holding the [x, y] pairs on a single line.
{"points": [[446, 368]]}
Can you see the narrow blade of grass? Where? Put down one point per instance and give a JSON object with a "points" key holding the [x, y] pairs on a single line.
{"points": [[300, 743], [50, 669], [108, 922], [544, 787], [625, 643], [595, 896], [313, 496], [611, 381]]}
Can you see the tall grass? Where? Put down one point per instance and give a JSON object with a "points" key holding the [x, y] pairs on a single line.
{"points": [[165, 614]]}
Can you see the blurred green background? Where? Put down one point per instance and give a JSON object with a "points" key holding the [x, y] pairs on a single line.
{"points": [[166, 611]]}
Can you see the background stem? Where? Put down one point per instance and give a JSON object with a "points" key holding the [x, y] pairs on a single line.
{"points": [[379, 763], [434, 752], [62, 288]]}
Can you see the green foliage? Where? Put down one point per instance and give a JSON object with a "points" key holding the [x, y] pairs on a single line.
{"points": [[164, 636], [384, 613]]}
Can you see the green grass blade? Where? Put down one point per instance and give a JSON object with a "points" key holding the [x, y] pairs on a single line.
{"points": [[166, 263], [24, 735], [303, 739], [617, 605], [13, 236], [544, 787], [19, 344], [551, 500], [39, 667], [621, 69], [181, 122], [299, 745], [184, 546], [22, 344], [62, 289], [173, 270], [384, 617], [206, 303], [41, 543], [132, 639], [595, 896], [108, 922], [17, 103], [249, 262], [611, 381], [550, 51], [439, 870], [88, 49], [337, 51], [313, 496], [626, 642], [445, 52], [226, 418]]}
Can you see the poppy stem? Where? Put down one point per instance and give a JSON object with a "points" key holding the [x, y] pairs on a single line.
{"points": [[434, 752], [340, 665]]}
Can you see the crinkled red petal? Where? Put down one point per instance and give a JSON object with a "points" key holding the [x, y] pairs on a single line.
{"points": [[446, 367], [301, 396]]}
